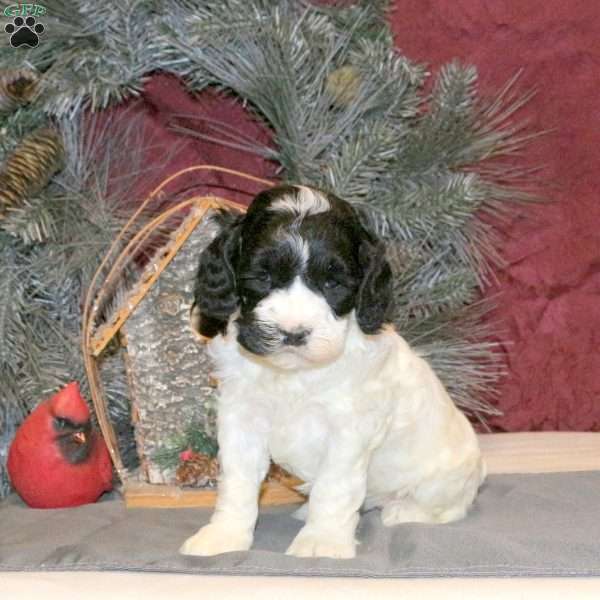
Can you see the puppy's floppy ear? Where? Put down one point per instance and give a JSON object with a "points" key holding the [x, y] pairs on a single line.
{"points": [[376, 289], [215, 290]]}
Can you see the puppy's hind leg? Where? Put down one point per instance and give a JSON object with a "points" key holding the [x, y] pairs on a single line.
{"points": [[436, 500], [407, 510], [402, 510]]}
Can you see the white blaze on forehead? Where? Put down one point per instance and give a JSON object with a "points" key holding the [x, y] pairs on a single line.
{"points": [[291, 237], [297, 243], [306, 202], [303, 204], [299, 247]]}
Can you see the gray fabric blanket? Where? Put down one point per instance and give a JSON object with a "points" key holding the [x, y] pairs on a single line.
{"points": [[521, 525]]}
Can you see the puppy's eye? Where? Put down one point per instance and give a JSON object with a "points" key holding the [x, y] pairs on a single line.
{"points": [[331, 284], [262, 277]]}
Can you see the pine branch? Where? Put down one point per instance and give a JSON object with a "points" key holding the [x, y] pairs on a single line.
{"points": [[12, 412], [113, 52], [360, 160], [12, 305], [32, 222]]}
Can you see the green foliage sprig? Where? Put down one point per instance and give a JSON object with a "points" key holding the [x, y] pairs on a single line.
{"points": [[194, 438]]}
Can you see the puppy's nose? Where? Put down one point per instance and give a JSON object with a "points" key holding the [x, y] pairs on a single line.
{"points": [[295, 338]]}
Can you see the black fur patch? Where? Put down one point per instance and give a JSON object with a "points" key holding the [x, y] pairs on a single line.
{"points": [[215, 290]]}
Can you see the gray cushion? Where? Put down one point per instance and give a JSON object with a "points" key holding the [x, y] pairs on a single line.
{"points": [[521, 525]]}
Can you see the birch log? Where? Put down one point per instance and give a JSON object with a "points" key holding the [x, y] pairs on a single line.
{"points": [[168, 367]]}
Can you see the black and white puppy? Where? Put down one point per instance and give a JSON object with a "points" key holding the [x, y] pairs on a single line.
{"points": [[295, 295]]}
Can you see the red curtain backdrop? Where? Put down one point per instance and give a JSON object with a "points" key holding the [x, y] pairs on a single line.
{"points": [[550, 292]]}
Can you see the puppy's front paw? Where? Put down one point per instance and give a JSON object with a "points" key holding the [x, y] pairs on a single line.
{"points": [[310, 543], [216, 538]]}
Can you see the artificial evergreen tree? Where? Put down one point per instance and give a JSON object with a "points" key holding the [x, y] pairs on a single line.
{"points": [[347, 113]]}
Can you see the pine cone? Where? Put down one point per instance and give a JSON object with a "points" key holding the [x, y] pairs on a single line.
{"points": [[343, 85], [198, 471], [17, 88], [29, 168]]}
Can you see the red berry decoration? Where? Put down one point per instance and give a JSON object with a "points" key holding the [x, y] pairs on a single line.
{"points": [[56, 459]]}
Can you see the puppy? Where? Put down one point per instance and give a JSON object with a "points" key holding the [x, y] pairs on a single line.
{"points": [[295, 295]]}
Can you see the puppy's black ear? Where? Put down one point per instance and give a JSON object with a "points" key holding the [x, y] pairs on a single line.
{"points": [[215, 290], [376, 289]]}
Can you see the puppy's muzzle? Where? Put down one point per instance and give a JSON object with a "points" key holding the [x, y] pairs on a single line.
{"points": [[297, 337]]}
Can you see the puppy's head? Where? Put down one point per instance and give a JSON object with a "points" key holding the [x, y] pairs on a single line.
{"points": [[292, 270]]}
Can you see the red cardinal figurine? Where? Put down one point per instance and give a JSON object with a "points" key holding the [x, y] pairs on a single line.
{"points": [[57, 459]]}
